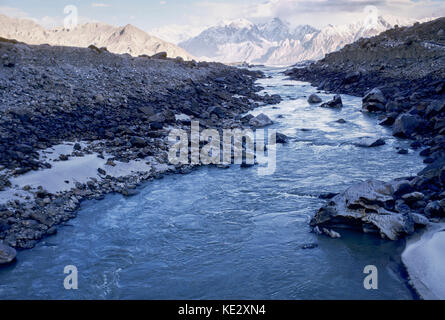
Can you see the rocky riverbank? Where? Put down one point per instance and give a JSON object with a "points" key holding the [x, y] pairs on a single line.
{"points": [[400, 75], [78, 123]]}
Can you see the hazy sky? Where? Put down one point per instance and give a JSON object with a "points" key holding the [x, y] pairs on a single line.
{"points": [[194, 14]]}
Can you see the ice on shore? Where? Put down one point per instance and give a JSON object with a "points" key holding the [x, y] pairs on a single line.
{"points": [[63, 175], [424, 258]]}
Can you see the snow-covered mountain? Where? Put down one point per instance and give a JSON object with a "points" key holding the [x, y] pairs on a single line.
{"points": [[276, 43], [126, 39]]}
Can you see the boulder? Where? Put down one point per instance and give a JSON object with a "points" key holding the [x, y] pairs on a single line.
{"points": [[352, 77], [367, 206], [160, 55], [406, 125], [413, 197], [367, 142], [138, 142], [217, 110], [336, 102], [433, 170], [7, 254], [313, 98], [433, 209], [260, 121], [374, 101], [281, 138]]}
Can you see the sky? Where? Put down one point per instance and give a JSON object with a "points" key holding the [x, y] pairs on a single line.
{"points": [[189, 17]]}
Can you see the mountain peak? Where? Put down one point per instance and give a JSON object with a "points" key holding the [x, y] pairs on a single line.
{"points": [[126, 39]]}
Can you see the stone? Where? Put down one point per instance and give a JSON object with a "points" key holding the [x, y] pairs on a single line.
{"points": [[99, 98], [433, 170], [374, 101], [138, 142], [335, 103], [331, 233], [365, 205], [260, 121], [406, 125], [413, 197], [7, 254], [434, 209], [313, 99], [366, 142], [281, 138], [160, 55]]}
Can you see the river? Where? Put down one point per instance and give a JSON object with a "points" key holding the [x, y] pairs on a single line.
{"points": [[231, 233]]}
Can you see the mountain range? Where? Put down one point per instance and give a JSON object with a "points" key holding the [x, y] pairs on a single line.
{"points": [[276, 43], [271, 43], [126, 39]]}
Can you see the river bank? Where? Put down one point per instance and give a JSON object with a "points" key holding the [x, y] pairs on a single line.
{"points": [[80, 123], [399, 76]]}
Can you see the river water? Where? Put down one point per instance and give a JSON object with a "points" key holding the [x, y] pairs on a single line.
{"points": [[232, 234]]}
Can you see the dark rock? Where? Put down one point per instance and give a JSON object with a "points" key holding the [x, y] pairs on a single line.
{"points": [[433, 170], [160, 55], [309, 246], [433, 209], [327, 196], [352, 77], [281, 138], [313, 98], [219, 111], [7, 254], [336, 102], [369, 142], [405, 125], [138, 142], [260, 121], [374, 101]]}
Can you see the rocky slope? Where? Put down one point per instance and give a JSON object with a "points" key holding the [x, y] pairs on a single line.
{"points": [[127, 39], [276, 43], [106, 117], [401, 76]]}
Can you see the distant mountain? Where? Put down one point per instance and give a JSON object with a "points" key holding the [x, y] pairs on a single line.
{"points": [[127, 39], [276, 43]]}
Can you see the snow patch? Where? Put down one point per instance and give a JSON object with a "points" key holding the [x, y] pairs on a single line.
{"points": [[424, 259]]}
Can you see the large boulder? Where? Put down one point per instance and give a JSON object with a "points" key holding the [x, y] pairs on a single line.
{"points": [[336, 102], [406, 125], [260, 121], [374, 101], [367, 206], [7, 254]]}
